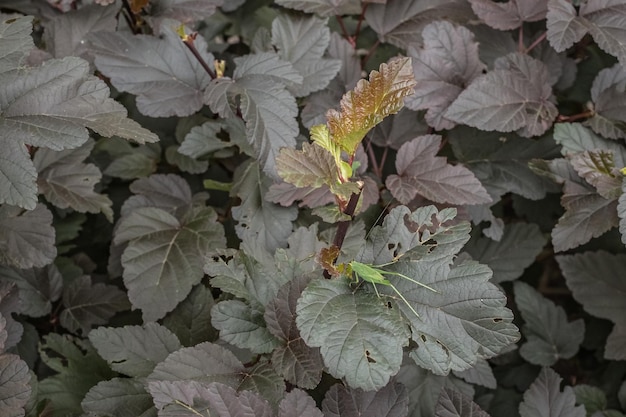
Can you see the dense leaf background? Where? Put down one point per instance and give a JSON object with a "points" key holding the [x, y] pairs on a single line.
{"points": [[315, 208]]}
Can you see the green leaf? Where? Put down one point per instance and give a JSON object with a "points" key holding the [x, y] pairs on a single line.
{"points": [[294, 360], [87, 305], [134, 350], [363, 344], [119, 397], [370, 102], [544, 398], [564, 27], [163, 259], [263, 379], [520, 244], [400, 23], [241, 325], [593, 398], [16, 42], [421, 172], [67, 182], [515, 96], [323, 7], [595, 281], [78, 368], [262, 224], [452, 403], [38, 288], [167, 79], [26, 237], [549, 336], [509, 15], [302, 41], [446, 63], [190, 321], [390, 401]]}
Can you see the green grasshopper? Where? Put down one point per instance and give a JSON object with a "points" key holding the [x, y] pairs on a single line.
{"points": [[375, 275]]}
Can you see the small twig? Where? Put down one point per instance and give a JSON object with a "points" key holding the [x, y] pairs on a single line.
{"points": [[188, 41], [345, 31], [383, 159], [129, 16], [520, 39], [584, 115], [536, 42], [342, 226], [361, 19], [372, 158], [369, 53]]}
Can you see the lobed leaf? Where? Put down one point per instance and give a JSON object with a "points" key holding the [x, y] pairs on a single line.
{"points": [[363, 344], [452, 403], [16, 42], [302, 41], [515, 96], [15, 389], [549, 336], [390, 401], [67, 182], [447, 62], [26, 237], [520, 244], [167, 79], [87, 305], [38, 288], [544, 398], [120, 397], [607, 92], [400, 22], [564, 27], [511, 14], [370, 102], [298, 363], [323, 7], [594, 278], [605, 20], [190, 321], [163, 259], [134, 350], [421, 172], [66, 34]]}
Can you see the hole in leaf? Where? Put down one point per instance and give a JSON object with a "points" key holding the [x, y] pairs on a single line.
{"points": [[423, 338], [369, 358], [497, 320]]}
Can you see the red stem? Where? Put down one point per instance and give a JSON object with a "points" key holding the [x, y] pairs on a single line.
{"points": [[574, 117], [188, 41], [536, 42]]}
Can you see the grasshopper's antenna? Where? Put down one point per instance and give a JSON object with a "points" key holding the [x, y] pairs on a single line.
{"points": [[384, 210]]}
